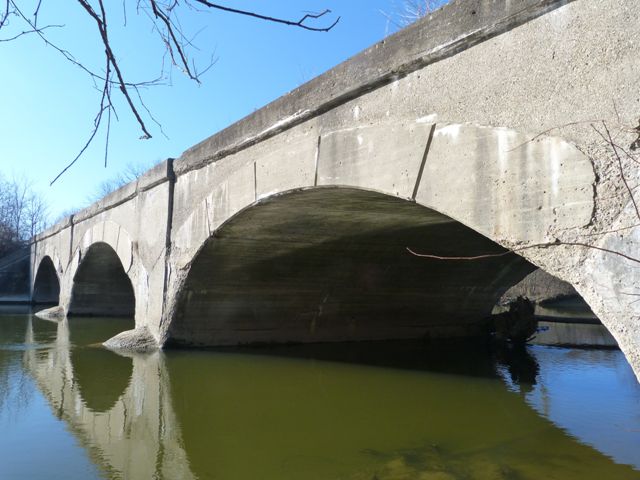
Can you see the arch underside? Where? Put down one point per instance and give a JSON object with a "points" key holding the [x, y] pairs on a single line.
{"points": [[101, 287], [331, 264], [46, 287]]}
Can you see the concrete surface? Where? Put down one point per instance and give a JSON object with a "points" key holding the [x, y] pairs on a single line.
{"points": [[539, 287], [483, 112]]}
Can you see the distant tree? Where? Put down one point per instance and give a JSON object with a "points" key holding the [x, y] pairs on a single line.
{"points": [[403, 13], [23, 213], [131, 172]]}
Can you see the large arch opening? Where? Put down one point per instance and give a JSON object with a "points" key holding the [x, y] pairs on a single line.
{"points": [[331, 264], [46, 287], [101, 287]]}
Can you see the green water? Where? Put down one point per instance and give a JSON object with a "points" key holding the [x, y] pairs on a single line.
{"points": [[398, 410]]}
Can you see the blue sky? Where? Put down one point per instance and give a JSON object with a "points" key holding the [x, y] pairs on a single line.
{"points": [[47, 105]]}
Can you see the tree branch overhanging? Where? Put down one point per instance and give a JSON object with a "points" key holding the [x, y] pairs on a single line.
{"points": [[165, 18], [301, 23]]}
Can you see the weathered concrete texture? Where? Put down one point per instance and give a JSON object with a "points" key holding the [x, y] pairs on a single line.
{"points": [[360, 157], [137, 340], [516, 190], [610, 283], [573, 335], [538, 287], [481, 112], [54, 314]]}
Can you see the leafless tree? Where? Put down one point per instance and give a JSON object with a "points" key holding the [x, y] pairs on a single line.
{"points": [[404, 12], [165, 19], [23, 213], [131, 172]]}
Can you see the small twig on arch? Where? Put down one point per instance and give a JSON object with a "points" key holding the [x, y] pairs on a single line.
{"points": [[557, 243], [549, 130]]}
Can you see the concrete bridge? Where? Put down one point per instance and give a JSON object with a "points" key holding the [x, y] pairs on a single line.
{"points": [[489, 126]]}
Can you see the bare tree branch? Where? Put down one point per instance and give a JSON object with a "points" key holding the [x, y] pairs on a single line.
{"points": [[96, 126], [609, 140], [299, 23], [101, 21], [165, 20], [5, 15], [27, 32]]}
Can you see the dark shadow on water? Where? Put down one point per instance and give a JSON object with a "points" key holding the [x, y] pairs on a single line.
{"points": [[438, 409], [521, 365], [474, 357], [10, 309]]}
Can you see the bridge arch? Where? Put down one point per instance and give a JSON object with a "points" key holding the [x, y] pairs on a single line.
{"points": [[112, 234], [331, 264], [46, 285], [101, 286], [516, 189]]}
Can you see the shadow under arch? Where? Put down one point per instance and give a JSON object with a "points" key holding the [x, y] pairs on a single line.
{"points": [[330, 264], [101, 287], [46, 287]]}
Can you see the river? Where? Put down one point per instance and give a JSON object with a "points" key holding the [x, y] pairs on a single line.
{"points": [[388, 410]]}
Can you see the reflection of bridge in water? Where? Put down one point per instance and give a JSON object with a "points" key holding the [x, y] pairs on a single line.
{"points": [[195, 415], [135, 436]]}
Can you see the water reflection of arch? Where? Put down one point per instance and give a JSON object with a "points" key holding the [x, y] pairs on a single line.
{"points": [[134, 437]]}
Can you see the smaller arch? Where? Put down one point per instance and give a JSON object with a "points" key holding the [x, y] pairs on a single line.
{"points": [[113, 235], [101, 287], [46, 287]]}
